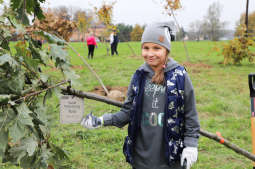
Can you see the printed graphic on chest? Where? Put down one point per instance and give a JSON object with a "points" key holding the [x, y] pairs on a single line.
{"points": [[154, 91]]}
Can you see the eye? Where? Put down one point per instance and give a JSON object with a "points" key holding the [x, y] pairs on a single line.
{"points": [[145, 47], [156, 48]]}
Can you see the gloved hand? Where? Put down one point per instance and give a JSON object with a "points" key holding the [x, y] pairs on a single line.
{"points": [[92, 122], [190, 154]]}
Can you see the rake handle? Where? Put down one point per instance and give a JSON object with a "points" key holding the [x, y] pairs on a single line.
{"points": [[251, 78]]}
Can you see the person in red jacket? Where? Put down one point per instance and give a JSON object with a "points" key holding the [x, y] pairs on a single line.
{"points": [[91, 43]]}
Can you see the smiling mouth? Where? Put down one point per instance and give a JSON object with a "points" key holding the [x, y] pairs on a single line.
{"points": [[151, 59]]}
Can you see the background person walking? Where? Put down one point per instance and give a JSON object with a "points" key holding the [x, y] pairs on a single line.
{"points": [[91, 43], [114, 40]]}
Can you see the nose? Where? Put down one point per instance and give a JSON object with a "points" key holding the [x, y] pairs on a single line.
{"points": [[150, 53]]}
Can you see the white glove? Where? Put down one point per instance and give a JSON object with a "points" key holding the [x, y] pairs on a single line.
{"points": [[190, 154], [92, 122]]}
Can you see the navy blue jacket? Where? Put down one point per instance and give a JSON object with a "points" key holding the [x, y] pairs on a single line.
{"points": [[173, 119]]}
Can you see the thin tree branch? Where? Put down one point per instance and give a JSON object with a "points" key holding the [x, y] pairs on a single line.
{"points": [[179, 28], [90, 68], [40, 91], [132, 50], [84, 61]]}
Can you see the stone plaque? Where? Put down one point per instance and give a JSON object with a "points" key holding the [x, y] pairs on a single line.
{"points": [[71, 109]]}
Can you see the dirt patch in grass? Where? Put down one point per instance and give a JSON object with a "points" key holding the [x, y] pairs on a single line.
{"points": [[77, 67], [115, 92], [196, 67]]}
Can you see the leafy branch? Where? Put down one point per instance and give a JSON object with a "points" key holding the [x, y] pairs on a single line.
{"points": [[24, 125]]}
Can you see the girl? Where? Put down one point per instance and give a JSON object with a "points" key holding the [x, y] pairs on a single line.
{"points": [[91, 43], [160, 109]]}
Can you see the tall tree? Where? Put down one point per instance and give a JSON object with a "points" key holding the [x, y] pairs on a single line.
{"points": [[212, 23], [124, 32], [104, 14], [197, 28], [241, 25], [55, 24], [83, 21], [136, 33]]}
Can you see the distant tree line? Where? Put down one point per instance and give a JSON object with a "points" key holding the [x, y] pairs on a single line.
{"points": [[129, 33], [212, 28]]}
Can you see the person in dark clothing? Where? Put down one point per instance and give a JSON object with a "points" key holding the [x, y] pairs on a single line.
{"points": [[91, 43], [160, 109], [114, 40]]}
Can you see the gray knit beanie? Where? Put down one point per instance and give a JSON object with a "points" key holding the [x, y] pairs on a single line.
{"points": [[158, 33]]}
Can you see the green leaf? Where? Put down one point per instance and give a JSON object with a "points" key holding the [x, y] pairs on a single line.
{"points": [[27, 146], [15, 4], [18, 153], [36, 50], [44, 77], [17, 131], [70, 75], [38, 11], [4, 43], [6, 117], [57, 92], [41, 113], [4, 98], [44, 56], [31, 145], [58, 53], [23, 115], [6, 59], [3, 141], [52, 38], [32, 63], [13, 84]]}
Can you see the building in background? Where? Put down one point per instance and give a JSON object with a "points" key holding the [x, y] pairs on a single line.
{"points": [[98, 31]]}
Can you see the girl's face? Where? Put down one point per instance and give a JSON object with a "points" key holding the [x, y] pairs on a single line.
{"points": [[154, 55]]}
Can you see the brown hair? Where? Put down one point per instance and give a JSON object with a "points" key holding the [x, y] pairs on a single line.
{"points": [[159, 76]]}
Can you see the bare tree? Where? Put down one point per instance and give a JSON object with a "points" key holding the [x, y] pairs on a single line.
{"points": [[196, 28], [212, 24]]}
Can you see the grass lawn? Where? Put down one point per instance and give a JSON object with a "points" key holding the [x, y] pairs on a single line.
{"points": [[222, 98]]}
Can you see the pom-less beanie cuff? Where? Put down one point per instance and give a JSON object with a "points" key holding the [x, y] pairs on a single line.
{"points": [[158, 33]]}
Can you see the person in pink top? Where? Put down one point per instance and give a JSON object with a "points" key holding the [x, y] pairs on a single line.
{"points": [[91, 43]]}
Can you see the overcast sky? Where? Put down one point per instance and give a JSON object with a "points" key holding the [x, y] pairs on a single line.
{"points": [[147, 11]]}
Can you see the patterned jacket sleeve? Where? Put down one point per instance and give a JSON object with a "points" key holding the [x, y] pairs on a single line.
{"points": [[192, 125]]}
